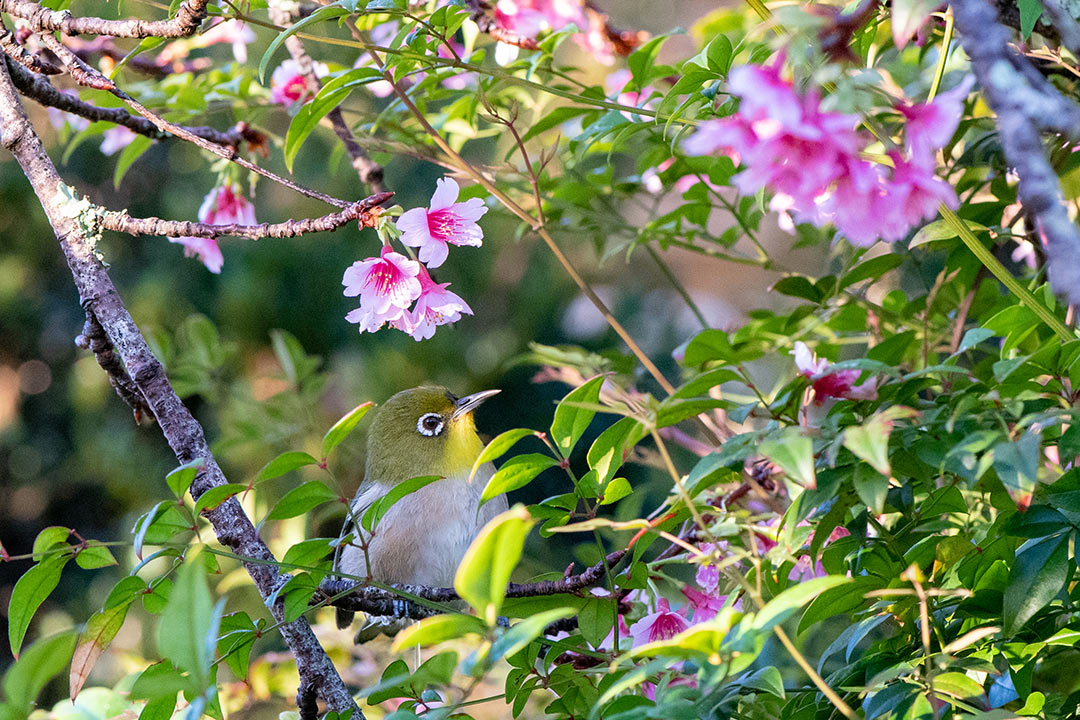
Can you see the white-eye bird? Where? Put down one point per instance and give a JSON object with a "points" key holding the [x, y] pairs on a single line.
{"points": [[422, 538]]}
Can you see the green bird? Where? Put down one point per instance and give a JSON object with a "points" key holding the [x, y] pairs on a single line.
{"points": [[423, 537]]}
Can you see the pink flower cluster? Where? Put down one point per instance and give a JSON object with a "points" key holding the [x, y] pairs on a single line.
{"points": [[529, 18], [389, 284], [224, 205], [289, 87], [810, 158]]}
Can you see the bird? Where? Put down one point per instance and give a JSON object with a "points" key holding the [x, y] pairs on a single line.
{"points": [[424, 431]]}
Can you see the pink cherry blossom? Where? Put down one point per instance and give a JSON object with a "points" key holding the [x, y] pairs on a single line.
{"points": [[931, 125], [660, 625], [223, 205], [828, 383], [233, 32], [708, 574], [116, 139], [386, 285], [705, 606], [446, 222], [810, 158], [435, 306], [289, 87]]}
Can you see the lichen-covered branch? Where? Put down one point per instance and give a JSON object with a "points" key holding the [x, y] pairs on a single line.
{"points": [[68, 217], [120, 221], [1023, 105], [188, 17]]}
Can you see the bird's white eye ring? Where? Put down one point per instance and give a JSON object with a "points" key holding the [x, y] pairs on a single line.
{"points": [[429, 424]]}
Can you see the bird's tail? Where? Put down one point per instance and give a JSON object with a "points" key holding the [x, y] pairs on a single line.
{"points": [[377, 625], [344, 618]]}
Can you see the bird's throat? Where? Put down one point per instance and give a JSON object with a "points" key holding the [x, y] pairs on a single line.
{"points": [[463, 445]]}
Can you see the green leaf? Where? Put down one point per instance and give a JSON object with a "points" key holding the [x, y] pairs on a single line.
{"points": [[958, 685], [704, 382], [330, 95], [798, 286], [485, 570], [1038, 574], [571, 421], [499, 447], [595, 620], [870, 443], [436, 629], [784, 605], [30, 591], [515, 473], [707, 346], [871, 269], [95, 555], [1030, 11], [616, 490], [794, 453], [768, 679], [342, 428], [185, 625], [238, 635], [302, 499], [329, 12], [286, 462], [100, 630], [180, 479], [524, 632], [128, 156], [50, 538], [379, 508], [41, 662], [307, 552], [217, 495]]}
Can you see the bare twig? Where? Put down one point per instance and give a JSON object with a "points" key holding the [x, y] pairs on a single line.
{"points": [[1024, 102], [184, 434], [85, 75], [188, 17], [93, 338], [361, 211], [42, 92]]}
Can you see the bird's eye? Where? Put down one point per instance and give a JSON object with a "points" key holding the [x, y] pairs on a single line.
{"points": [[429, 424]]}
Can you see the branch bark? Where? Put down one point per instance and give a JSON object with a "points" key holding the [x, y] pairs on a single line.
{"points": [[1024, 103], [183, 433], [188, 17]]}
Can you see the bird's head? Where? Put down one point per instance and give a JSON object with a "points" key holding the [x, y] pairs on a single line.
{"points": [[424, 431]]}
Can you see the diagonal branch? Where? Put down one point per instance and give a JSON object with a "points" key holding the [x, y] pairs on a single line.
{"points": [[1025, 104], [183, 433], [41, 91], [120, 221], [188, 17]]}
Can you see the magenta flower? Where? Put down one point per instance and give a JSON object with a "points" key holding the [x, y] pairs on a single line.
{"points": [[705, 606], [223, 205], [386, 285], [446, 222], [116, 139], [435, 306], [660, 625], [828, 383], [931, 125], [288, 87]]}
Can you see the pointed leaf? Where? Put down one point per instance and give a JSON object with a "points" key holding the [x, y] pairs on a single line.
{"points": [[515, 473], [570, 420], [302, 499], [794, 453], [100, 630], [379, 508], [30, 591], [1038, 574], [343, 427], [499, 447], [436, 629], [485, 570], [284, 463]]}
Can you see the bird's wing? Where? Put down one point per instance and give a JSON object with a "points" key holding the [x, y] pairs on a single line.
{"points": [[365, 496]]}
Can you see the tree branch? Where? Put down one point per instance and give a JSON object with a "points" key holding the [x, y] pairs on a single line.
{"points": [[183, 433], [188, 17], [376, 601], [41, 91], [120, 221], [1024, 102]]}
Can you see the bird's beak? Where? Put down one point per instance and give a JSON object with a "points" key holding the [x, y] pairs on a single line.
{"points": [[467, 404]]}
